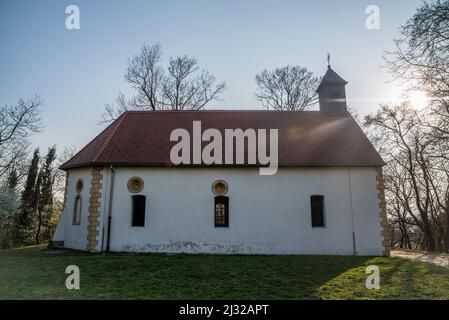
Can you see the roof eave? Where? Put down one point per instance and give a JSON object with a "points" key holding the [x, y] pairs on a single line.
{"points": [[169, 165]]}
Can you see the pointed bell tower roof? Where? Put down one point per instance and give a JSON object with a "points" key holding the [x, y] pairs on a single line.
{"points": [[332, 93], [331, 77]]}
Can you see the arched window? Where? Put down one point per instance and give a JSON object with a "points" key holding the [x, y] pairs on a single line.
{"points": [[79, 185], [77, 210], [221, 203]]}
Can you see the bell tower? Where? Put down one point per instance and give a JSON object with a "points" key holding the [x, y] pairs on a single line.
{"points": [[332, 93]]}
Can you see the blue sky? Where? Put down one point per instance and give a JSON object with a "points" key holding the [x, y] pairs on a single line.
{"points": [[77, 72]]}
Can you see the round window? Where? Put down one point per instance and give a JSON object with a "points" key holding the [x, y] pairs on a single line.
{"points": [[135, 184], [79, 185], [220, 187]]}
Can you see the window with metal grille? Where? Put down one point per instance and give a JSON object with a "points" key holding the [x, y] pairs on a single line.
{"points": [[317, 208], [138, 211], [221, 211]]}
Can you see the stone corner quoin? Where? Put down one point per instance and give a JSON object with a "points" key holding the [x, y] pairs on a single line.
{"points": [[94, 208], [383, 211]]}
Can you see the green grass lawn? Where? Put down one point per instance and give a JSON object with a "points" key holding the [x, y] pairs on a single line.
{"points": [[37, 273]]}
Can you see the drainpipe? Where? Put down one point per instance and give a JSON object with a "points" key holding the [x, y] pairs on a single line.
{"points": [[354, 247], [111, 193]]}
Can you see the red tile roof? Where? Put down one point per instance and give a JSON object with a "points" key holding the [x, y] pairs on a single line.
{"points": [[306, 138]]}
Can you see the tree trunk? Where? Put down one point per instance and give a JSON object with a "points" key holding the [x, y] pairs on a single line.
{"points": [[39, 225], [447, 226], [430, 240]]}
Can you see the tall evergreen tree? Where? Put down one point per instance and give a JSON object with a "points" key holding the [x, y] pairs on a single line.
{"points": [[48, 177], [37, 204], [24, 219], [13, 180], [44, 192]]}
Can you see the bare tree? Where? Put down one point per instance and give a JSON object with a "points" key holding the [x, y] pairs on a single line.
{"points": [[60, 175], [182, 90], [145, 75], [287, 88], [421, 58], [182, 87], [416, 179], [17, 122]]}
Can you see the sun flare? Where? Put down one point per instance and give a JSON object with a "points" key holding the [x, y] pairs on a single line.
{"points": [[417, 99]]}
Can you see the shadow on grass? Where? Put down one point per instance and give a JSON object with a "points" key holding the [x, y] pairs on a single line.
{"points": [[415, 280], [159, 276], [39, 273]]}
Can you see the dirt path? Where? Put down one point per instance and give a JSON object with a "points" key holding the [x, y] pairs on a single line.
{"points": [[435, 258]]}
